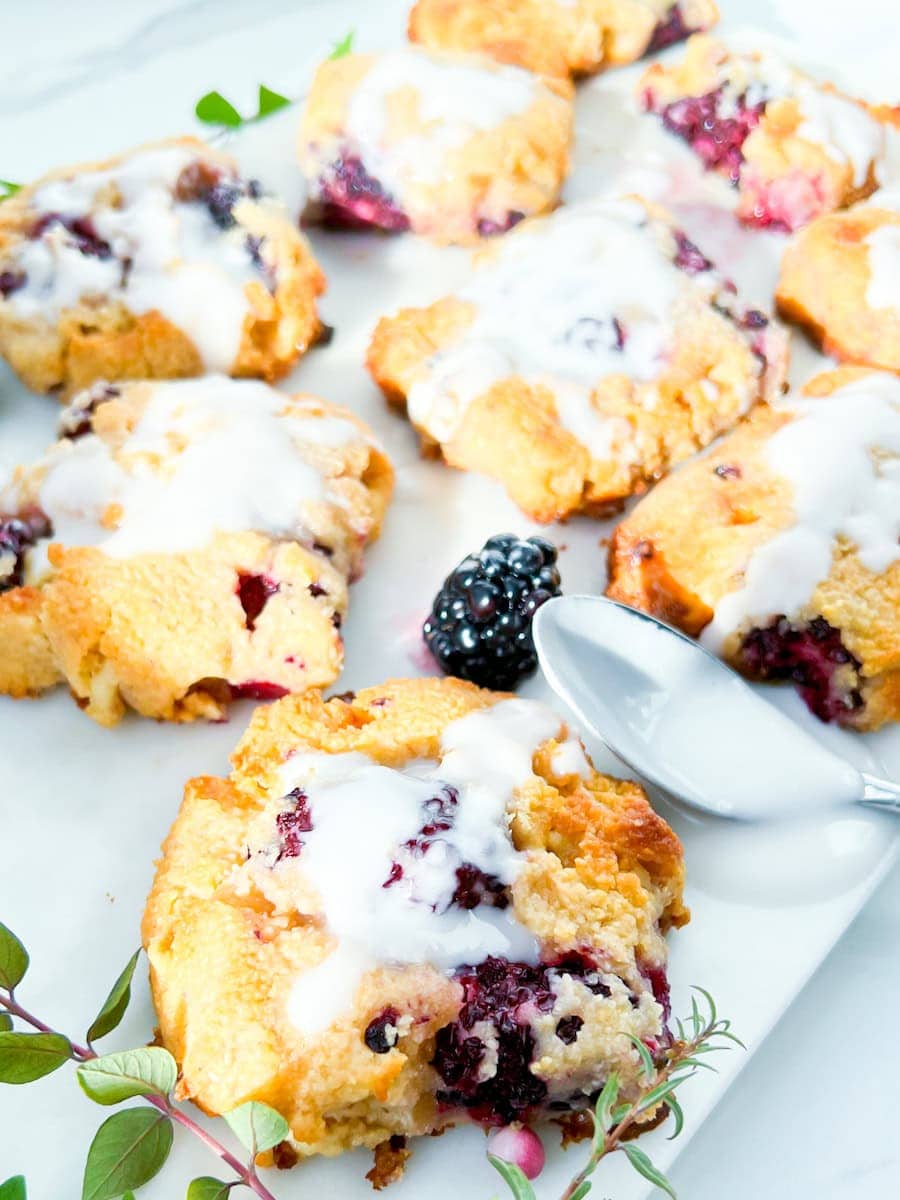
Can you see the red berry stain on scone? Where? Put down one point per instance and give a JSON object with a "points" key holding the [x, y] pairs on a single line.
{"points": [[489, 228], [292, 822], [82, 231], [713, 127], [688, 257], [11, 281], [381, 1033], [18, 533], [351, 198], [810, 656], [254, 593], [669, 30], [501, 1001]]}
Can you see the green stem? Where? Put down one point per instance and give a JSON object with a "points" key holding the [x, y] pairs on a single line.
{"points": [[246, 1174]]}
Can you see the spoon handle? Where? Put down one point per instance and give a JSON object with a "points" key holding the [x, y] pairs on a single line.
{"points": [[880, 793]]}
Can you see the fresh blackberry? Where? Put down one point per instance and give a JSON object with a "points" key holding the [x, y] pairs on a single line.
{"points": [[479, 627]]}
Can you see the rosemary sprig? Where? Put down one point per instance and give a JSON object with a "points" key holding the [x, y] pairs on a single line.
{"points": [[132, 1145], [702, 1033]]}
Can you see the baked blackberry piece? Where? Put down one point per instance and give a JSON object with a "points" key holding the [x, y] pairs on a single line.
{"points": [[559, 37], [158, 264], [412, 907], [457, 148], [184, 544], [591, 351], [840, 280], [793, 147], [781, 548]]}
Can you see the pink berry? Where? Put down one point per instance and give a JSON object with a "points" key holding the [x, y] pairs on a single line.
{"points": [[520, 1146]]}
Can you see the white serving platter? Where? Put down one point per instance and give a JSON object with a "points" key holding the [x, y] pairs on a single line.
{"points": [[83, 809]]}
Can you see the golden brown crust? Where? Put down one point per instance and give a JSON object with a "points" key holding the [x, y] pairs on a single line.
{"points": [[825, 275], [602, 870], [687, 544], [551, 38], [166, 633], [101, 338], [516, 167]]}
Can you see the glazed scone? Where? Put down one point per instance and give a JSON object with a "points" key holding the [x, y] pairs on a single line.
{"points": [[840, 279], [183, 544], [794, 147], [158, 264], [410, 907], [780, 549], [591, 351], [456, 148], [559, 37]]}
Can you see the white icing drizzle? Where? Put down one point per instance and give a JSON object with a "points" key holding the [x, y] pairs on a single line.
{"points": [[883, 290], [841, 456], [455, 101], [363, 813], [545, 309], [181, 263], [206, 454], [569, 758]]}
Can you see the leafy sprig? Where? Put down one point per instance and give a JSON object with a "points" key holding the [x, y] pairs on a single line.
{"points": [[702, 1033], [214, 109], [7, 189], [132, 1145], [344, 47]]}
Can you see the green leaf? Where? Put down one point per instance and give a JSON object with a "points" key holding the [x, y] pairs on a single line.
{"points": [[5, 1021], [13, 1189], [214, 109], [150, 1071], [677, 1115], [115, 1004], [603, 1109], [207, 1188], [619, 1113], [644, 1055], [25, 1057], [709, 1000], [8, 188], [270, 101], [645, 1167], [13, 958], [581, 1191], [515, 1178], [344, 46], [258, 1126], [128, 1149], [661, 1092]]}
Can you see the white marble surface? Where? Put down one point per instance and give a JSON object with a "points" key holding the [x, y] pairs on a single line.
{"points": [[807, 1117]]}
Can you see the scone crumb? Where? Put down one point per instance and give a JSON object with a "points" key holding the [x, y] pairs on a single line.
{"points": [[390, 1162]]}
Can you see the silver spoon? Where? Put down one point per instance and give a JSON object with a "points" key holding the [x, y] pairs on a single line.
{"points": [[683, 720]]}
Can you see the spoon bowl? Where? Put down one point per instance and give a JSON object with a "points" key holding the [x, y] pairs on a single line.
{"points": [[683, 720]]}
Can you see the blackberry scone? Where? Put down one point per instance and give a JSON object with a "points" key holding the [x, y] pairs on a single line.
{"points": [[781, 548], [840, 280], [183, 544], [456, 148], [158, 264], [408, 908], [591, 351], [794, 147], [559, 37]]}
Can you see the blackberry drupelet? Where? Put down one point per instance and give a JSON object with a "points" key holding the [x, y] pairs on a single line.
{"points": [[479, 627]]}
